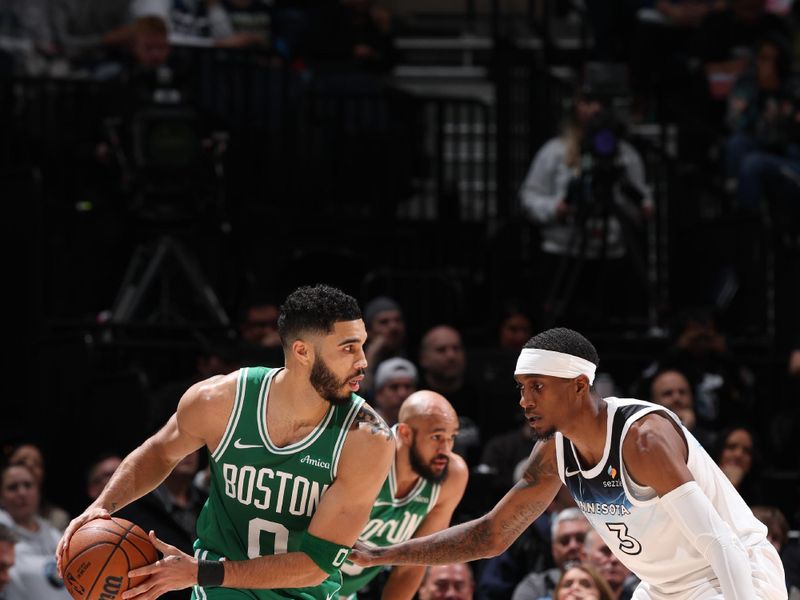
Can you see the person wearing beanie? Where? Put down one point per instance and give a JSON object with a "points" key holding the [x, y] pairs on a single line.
{"points": [[395, 380], [386, 335]]}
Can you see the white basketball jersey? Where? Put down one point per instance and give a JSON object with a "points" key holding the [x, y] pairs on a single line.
{"points": [[630, 518]]}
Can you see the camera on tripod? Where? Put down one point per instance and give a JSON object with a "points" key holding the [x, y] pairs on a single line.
{"points": [[601, 169], [173, 171], [171, 162]]}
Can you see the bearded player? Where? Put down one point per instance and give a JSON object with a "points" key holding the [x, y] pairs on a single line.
{"points": [[290, 485], [643, 481], [425, 484]]}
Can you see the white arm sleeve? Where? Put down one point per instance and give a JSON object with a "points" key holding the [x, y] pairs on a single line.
{"points": [[698, 520]]}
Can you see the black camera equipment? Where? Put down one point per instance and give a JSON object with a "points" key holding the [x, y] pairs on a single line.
{"points": [[591, 195], [173, 172]]}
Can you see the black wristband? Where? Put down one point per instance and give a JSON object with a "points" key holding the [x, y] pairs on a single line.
{"points": [[210, 573]]}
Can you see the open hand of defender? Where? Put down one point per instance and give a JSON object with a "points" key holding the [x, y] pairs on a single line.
{"points": [[76, 523], [175, 571]]}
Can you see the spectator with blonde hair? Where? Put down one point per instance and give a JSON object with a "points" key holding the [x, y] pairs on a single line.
{"points": [[582, 582]]}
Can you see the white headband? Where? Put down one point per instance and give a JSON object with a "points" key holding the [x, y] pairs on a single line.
{"points": [[534, 361]]}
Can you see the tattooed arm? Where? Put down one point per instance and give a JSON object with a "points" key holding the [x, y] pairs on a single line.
{"points": [[484, 537]]}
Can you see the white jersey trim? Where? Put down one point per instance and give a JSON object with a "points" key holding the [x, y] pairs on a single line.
{"points": [[348, 421], [642, 495], [233, 419], [413, 493], [560, 456], [594, 471], [263, 404]]}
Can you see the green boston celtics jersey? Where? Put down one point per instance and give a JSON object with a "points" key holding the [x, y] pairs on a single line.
{"points": [[391, 521], [262, 497]]}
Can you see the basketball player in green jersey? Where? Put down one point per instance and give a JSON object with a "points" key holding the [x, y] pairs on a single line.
{"points": [[297, 459], [424, 486]]}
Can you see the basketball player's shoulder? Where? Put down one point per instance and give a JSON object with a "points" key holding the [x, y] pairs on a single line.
{"points": [[458, 475], [653, 450], [214, 393], [651, 432], [369, 424], [369, 441]]}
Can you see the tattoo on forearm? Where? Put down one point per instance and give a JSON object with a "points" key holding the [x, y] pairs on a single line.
{"points": [[368, 419], [458, 544], [538, 467], [513, 527]]}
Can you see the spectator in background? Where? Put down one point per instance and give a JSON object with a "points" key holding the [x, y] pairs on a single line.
{"points": [[7, 554], [386, 336], [569, 528], [619, 579], [515, 327], [447, 582], [98, 474], [721, 386], [35, 574], [150, 46], [259, 323], [30, 455], [727, 39], [386, 329], [763, 150], [25, 36], [794, 361], [443, 363], [584, 227], [736, 456], [196, 22], [671, 389], [395, 380], [778, 535], [777, 525], [582, 582], [490, 367], [87, 29]]}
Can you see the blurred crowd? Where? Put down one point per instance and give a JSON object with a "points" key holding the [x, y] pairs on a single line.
{"points": [[101, 40], [725, 72], [697, 377]]}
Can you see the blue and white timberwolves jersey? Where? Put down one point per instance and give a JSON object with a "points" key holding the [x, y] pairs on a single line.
{"points": [[630, 518]]}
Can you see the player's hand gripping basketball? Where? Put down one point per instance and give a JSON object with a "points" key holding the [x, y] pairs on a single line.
{"points": [[174, 571], [74, 525]]}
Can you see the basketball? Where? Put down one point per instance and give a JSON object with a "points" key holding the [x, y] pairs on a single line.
{"points": [[99, 556]]}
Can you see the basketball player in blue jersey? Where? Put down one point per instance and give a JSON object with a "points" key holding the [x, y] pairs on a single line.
{"points": [[645, 484], [297, 460]]}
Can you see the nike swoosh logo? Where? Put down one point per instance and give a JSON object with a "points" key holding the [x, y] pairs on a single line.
{"points": [[238, 444], [568, 473]]}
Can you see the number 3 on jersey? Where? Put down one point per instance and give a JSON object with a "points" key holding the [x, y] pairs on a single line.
{"points": [[627, 544], [259, 526]]}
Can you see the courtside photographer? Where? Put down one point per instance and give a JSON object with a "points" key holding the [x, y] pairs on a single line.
{"points": [[587, 193]]}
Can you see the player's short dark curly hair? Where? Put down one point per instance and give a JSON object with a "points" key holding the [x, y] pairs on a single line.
{"points": [[565, 340], [314, 309]]}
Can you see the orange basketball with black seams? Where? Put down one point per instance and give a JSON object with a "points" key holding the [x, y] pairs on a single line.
{"points": [[100, 555]]}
